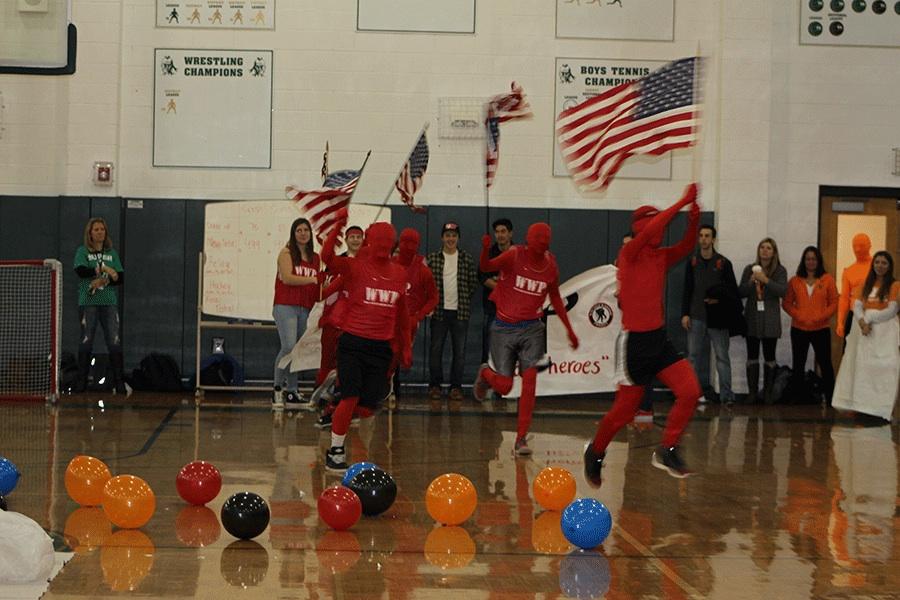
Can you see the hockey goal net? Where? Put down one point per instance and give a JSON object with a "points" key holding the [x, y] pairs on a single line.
{"points": [[30, 317]]}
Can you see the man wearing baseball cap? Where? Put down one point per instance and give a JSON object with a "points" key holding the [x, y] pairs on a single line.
{"points": [[456, 277]]}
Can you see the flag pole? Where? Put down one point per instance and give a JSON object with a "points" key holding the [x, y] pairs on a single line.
{"points": [[394, 182], [697, 158], [359, 177], [487, 189], [325, 162]]}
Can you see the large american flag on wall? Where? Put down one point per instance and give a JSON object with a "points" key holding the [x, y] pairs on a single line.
{"points": [[505, 107], [652, 115], [410, 179], [322, 205]]}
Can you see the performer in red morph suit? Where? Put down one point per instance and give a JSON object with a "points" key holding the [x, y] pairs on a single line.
{"points": [[528, 274], [643, 351], [421, 295], [375, 327]]}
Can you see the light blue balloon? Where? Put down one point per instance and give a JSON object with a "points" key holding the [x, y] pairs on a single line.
{"points": [[586, 523], [9, 476], [354, 470]]}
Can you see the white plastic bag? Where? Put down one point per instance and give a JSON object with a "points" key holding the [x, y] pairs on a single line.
{"points": [[26, 551]]}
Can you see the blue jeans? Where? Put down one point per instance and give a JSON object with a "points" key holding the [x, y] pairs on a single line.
{"points": [[439, 329], [291, 323], [108, 318], [699, 339]]}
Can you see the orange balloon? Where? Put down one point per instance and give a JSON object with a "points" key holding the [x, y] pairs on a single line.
{"points": [[451, 499], [554, 488], [85, 478], [87, 529], [546, 533], [128, 501], [126, 559], [449, 547]]}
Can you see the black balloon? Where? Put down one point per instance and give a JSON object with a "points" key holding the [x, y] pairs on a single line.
{"points": [[3, 503], [376, 490], [245, 515]]}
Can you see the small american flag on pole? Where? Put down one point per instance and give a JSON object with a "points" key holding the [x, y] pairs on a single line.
{"points": [[652, 115], [410, 179], [505, 107], [322, 205]]}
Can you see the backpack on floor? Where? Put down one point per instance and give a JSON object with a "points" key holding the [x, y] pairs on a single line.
{"points": [[221, 369], [157, 373]]}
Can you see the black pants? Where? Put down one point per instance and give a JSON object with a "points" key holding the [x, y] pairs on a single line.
{"points": [[768, 346], [456, 329], [820, 340]]}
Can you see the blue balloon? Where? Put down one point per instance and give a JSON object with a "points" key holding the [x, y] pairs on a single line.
{"points": [[586, 523], [584, 574], [354, 470], [9, 476]]}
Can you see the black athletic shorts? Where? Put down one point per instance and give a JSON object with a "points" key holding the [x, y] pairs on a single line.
{"points": [[362, 366], [641, 355]]}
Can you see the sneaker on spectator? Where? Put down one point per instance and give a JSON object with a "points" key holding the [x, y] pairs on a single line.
{"points": [[336, 459], [277, 399], [296, 401], [481, 388], [522, 448], [323, 422], [669, 460]]}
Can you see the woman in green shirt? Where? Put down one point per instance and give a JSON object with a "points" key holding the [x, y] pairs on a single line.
{"points": [[100, 272]]}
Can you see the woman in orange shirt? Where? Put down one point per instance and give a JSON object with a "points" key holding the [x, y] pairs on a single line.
{"points": [[870, 370], [811, 300]]}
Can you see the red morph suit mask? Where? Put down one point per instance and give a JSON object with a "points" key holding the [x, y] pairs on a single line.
{"points": [[380, 240], [538, 239], [409, 246], [640, 218]]}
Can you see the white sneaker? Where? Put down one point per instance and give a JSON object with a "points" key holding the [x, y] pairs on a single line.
{"points": [[277, 399], [521, 448]]}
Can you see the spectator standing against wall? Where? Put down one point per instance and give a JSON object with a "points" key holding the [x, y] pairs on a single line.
{"points": [[456, 277], [708, 312], [763, 284], [100, 273], [811, 300], [503, 232]]}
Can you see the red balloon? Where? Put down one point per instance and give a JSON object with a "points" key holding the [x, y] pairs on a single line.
{"points": [[198, 482], [339, 507]]}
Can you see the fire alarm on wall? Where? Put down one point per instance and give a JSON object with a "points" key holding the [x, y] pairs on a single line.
{"points": [[103, 173]]}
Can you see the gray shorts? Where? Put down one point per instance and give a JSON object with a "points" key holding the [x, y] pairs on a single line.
{"points": [[522, 344]]}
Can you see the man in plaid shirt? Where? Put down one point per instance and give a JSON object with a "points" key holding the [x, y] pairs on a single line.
{"points": [[456, 277]]}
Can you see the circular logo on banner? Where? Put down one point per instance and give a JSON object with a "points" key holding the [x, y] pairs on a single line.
{"points": [[601, 315]]}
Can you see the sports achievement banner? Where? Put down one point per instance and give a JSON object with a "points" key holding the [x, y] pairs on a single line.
{"points": [[616, 19], [590, 298], [578, 79], [216, 14], [212, 108]]}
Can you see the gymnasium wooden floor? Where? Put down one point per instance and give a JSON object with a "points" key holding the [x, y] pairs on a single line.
{"points": [[787, 503]]}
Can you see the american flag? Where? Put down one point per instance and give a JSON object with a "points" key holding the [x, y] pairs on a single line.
{"points": [[322, 205], [410, 179], [652, 115], [504, 107]]}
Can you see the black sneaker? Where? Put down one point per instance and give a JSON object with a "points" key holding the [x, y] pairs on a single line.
{"points": [[296, 401], [324, 422], [543, 363], [336, 459], [481, 387], [593, 464], [670, 461]]}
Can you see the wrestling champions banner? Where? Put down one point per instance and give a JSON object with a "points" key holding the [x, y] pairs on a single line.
{"points": [[591, 303]]}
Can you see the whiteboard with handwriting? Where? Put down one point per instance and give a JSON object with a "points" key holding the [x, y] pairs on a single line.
{"points": [[241, 245]]}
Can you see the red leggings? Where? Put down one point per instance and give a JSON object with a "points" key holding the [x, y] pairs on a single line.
{"points": [[680, 378], [502, 384]]}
